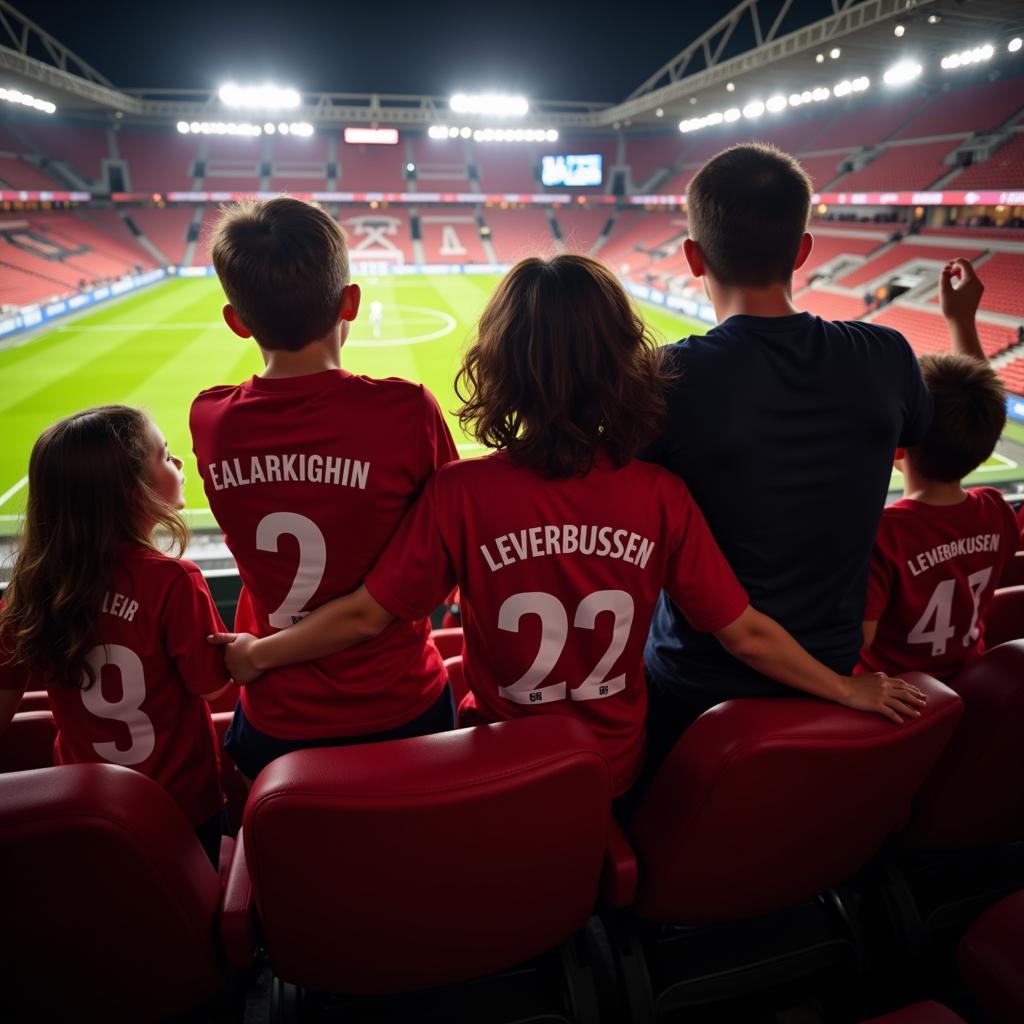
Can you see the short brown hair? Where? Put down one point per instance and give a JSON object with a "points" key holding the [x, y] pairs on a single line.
{"points": [[970, 413], [747, 208], [283, 264], [562, 366]]}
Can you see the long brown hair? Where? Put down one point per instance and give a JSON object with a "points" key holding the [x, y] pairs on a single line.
{"points": [[88, 491], [562, 367]]}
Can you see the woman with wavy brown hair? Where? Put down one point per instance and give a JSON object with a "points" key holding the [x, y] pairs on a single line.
{"points": [[560, 541], [109, 625]]}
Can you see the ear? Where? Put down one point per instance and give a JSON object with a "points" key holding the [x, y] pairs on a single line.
{"points": [[806, 244], [694, 257], [350, 298], [233, 321], [901, 454]]}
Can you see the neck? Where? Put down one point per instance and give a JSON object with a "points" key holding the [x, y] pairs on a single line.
{"points": [[931, 492], [317, 356], [775, 300]]}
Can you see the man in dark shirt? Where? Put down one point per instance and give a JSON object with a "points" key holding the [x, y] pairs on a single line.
{"points": [[783, 425]]}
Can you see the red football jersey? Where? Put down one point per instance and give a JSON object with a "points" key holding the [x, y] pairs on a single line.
{"points": [[933, 572], [559, 579], [308, 478], [144, 710]]}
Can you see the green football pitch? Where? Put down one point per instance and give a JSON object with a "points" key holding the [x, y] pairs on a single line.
{"points": [[158, 348]]}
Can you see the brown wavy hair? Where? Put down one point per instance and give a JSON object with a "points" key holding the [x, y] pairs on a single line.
{"points": [[562, 367], [88, 491]]}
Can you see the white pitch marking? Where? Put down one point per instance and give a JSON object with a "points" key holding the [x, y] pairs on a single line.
{"points": [[12, 491]]}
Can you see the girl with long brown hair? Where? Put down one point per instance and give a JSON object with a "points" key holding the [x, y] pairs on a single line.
{"points": [[106, 622], [560, 541]]}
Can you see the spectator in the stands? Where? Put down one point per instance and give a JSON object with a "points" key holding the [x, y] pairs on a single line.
{"points": [[784, 427], [941, 550]]}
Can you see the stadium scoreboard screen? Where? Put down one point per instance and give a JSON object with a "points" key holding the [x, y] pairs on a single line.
{"points": [[571, 169]]}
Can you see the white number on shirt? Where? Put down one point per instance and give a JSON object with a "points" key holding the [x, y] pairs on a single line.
{"points": [[128, 709], [940, 610], [555, 632], [312, 562]]}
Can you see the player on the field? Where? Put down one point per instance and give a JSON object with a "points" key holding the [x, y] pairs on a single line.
{"points": [[309, 470], [376, 317], [941, 550], [560, 541], [109, 625]]}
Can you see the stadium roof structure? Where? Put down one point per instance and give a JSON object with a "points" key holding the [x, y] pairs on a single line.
{"points": [[784, 55]]}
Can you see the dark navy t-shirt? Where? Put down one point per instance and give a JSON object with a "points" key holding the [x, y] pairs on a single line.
{"points": [[784, 430]]}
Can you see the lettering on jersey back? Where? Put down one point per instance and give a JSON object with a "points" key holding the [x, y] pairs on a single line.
{"points": [[567, 539], [289, 467], [120, 606], [954, 549]]}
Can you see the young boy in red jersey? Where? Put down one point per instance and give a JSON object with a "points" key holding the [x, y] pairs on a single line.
{"points": [[559, 540], [941, 550], [309, 470]]}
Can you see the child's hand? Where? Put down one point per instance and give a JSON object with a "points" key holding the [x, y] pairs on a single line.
{"points": [[960, 291], [238, 653], [885, 696]]}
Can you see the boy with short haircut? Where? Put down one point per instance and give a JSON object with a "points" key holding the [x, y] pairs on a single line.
{"points": [[941, 550], [783, 425], [309, 470]]}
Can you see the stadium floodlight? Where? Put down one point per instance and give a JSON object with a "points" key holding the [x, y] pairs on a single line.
{"points": [[861, 83], [899, 30], [183, 127], [730, 86], [902, 72], [795, 99], [259, 97], [269, 128], [491, 104], [25, 99], [967, 57], [659, 112], [821, 93], [845, 87], [835, 53], [1015, 44], [776, 103], [754, 109], [732, 114], [819, 58]]}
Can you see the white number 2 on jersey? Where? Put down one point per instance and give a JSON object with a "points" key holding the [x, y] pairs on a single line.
{"points": [[555, 632], [939, 611], [127, 710], [312, 562]]}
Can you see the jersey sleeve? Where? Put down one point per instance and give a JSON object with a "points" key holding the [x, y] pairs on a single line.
{"points": [[437, 438], [189, 616], [698, 578], [918, 405], [414, 574]]}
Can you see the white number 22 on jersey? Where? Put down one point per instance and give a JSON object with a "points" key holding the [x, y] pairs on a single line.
{"points": [[128, 709], [312, 562], [939, 611], [555, 632]]}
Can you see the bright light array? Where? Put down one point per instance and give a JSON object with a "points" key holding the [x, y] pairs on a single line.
{"points": [[491, 104], [1014, 44], [27, 100], [302, 129], [440, 131], [259, 97], [967, 57], [902, 72]]}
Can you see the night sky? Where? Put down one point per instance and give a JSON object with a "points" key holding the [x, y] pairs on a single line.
{"points": [[547, 50]]}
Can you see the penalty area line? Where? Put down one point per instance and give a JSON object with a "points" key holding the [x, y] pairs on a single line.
{"points": [[12, 491]]}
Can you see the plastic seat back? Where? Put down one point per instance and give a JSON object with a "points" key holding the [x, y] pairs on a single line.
{"points": [[28, 742], [34, 700], [456, 679], [414, 863], [991, 960], [1013, 574], [1004, 617], [975, 794], [763, 803], [112, 905]]}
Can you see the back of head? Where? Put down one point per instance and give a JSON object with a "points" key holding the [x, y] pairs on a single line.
{"points": [[970, 413], [747, 209], [283, 264], [88, 491], [562, 367]]}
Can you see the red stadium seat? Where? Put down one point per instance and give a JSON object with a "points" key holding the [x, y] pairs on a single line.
{"points": [[1004, 617], [991, 960], [401, 866], [970, 798], [1013, 574], [448, 642], [814, 788], [28, 742], [456, 679], [34, 700], [919, 1013], [114, 910]]}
